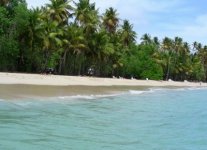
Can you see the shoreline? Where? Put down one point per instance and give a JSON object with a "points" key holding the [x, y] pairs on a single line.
{"points": [[17, 91], [22, 86], [57, 80]]}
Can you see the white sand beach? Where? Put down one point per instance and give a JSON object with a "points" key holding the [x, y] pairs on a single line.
{"points": [[56, 80]]}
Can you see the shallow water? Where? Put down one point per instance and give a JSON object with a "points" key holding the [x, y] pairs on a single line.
{"points": [[155, 119]]}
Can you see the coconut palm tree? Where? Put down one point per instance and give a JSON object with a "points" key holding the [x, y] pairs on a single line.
{"points": [[50, 36], [75, 44], [33, 23], [86, 16], [59, 10], [128, 36], [156, 41], [146, 39], [83, 12], [110, 20], [167, 49]]}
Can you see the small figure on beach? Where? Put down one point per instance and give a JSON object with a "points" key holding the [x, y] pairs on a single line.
{"points": [[49, 71], [91, 71], [170, 80]]}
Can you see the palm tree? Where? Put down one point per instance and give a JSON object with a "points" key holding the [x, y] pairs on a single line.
{"points": [[83, 11], [156, 41], [75, 44], [86, 16], [128, 36], [167, 45], [33, 23], [202, 54], [110, 20], [146, 39], [59, 10], [51, 39], [52, 23], [178, 44]]}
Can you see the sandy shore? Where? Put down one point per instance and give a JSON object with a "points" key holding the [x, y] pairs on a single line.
{"points": [[55, 80], [23, 86]]}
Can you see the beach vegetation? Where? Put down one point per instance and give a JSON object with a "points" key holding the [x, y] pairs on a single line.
{"points": [[72, 37]]}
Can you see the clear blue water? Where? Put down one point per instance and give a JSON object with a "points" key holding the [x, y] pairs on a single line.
{"points": [[153, 120]]}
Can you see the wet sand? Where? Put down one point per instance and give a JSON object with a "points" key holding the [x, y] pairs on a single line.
{"points": [[32, 91]]}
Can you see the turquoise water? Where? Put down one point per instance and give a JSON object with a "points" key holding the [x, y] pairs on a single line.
{"points": [[157, 119]]}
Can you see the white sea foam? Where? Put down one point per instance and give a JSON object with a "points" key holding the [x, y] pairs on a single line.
{"points": [[197, 88], [88, 97], [152, 90], [1, 100], [76, 97], [134, 92]]}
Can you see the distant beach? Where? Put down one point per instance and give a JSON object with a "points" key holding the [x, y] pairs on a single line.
{"points": [[57, 80]]}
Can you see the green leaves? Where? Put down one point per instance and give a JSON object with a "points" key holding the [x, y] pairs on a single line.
{"points": [[140, 63], [71, 39], [110, 20]]}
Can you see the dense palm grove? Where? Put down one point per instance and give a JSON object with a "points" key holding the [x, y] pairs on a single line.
{"points": [[73, 36]]}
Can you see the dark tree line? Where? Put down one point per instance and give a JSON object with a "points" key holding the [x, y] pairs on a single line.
{"points": [[72, 37]]}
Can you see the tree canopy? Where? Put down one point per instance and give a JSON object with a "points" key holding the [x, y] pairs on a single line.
{"points": [[74, 36]]}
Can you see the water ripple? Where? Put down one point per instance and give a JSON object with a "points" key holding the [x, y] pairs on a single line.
{"points": [[162, 120]]}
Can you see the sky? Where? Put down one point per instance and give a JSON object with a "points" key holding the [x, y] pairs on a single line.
{"points": [[184, 18]]}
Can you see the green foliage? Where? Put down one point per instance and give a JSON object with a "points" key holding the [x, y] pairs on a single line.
{"points": [[32, 40], [21, 18], [4, 21], [198, 70], [8, 54], [141, 63]]}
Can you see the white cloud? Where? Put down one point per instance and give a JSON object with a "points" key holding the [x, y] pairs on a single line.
{"points": [[197, 30]]}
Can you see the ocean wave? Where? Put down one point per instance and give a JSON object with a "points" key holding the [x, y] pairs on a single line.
{"points": [[88, 97], [197, 88], [153, 90], [136, 92], [149, 90], [1, 100], [25, 101]]}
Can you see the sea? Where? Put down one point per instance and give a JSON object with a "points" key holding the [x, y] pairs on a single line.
{"points": [[150, 119]]}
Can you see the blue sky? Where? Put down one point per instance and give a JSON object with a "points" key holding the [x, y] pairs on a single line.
{"points": [[183, 18]]}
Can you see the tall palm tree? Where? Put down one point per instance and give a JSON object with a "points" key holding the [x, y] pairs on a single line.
{"points": [[178, 44], [32, 27], [110, 20], [146, 39], [128, 36], [202, 54], [83, 11], [59, 10], [51, 37], [156, 41], [167, 49], [86, 16], [75, 44]]}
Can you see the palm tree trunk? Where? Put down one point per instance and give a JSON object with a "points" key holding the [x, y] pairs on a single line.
{"points": [[60, 66], [46, 59], [168, 69], [61, 69]]}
